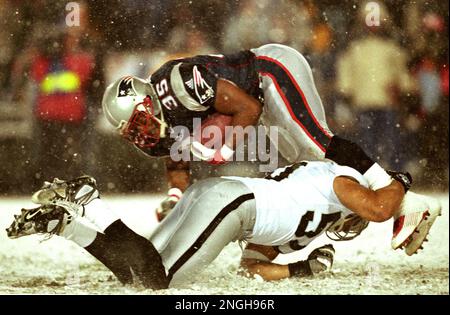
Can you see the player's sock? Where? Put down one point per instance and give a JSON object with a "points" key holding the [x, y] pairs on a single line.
{"points": [[81, 231], [87, 230], [142, 256], [119, 248], [112, 257], [126, 253], [98, 212], [345, 152]]}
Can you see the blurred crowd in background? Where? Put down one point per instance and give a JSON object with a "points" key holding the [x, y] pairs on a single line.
{"points": [[385, 87]]}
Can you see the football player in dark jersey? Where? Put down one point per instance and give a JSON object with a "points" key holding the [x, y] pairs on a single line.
{"points": [[272, 84]]}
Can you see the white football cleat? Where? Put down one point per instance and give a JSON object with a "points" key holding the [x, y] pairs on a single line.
{"points": [[80, 191], [413, 222]]}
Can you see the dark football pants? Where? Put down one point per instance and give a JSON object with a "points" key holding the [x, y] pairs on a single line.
{"points": [[211, 214]]}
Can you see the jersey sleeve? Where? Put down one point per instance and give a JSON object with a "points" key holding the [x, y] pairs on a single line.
{"points": [[194, 86]]}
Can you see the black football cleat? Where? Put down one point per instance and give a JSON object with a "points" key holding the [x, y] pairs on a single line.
{"points": [[46, 219]]}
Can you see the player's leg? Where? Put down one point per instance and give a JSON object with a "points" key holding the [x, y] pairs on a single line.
{"points": [[258, 260], [292, 103], [211, 214], [55, 220], [139, 254], [115, 244], [97, 244], [73, 210], [122, 251]]}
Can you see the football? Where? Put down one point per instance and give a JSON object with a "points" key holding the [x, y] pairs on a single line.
{"points": [[213, 129]]}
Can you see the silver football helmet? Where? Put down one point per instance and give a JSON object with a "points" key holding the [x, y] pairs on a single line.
{"points": [[131, 105]]}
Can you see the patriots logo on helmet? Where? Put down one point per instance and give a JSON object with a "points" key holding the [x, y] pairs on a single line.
{"points": [[126, 87]]}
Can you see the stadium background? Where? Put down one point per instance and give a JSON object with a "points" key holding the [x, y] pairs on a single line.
{"points": [[135, 37], [119, 37]]}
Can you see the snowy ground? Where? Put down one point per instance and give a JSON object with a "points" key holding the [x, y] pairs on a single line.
{"points": [[365, 265]]}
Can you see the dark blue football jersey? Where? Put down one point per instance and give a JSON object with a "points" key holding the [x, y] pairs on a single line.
{"points": [[187, 87]]}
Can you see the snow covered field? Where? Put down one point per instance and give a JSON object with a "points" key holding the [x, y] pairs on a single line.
{"points": [[366, 265]]}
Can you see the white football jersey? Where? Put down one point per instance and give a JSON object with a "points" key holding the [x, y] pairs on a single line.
{"points": [[297, 203]]}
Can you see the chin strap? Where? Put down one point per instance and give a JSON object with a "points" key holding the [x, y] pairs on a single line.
{"points": [[162, 122]]}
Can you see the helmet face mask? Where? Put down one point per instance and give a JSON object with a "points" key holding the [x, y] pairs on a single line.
{"points": [[131, 105], [143, 129], [347, 228]]}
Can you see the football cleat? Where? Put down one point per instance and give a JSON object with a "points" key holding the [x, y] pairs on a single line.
{"points": [[46, 219], [420, 234], [79, 191], [413, 222]]}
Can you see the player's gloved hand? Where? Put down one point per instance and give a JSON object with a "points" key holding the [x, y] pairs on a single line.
{"points": [[320, 260], [214, 157], [173, 196], [403, 178]]}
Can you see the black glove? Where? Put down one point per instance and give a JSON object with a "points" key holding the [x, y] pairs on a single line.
{"points": [[320, 259], [403, 178]]}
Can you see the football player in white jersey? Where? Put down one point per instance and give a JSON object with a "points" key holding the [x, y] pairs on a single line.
{"points": [[281, 213], [271, 84]]}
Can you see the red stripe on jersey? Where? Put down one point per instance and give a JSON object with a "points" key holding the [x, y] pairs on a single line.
{"points": [[288, 105], [298, 89]]}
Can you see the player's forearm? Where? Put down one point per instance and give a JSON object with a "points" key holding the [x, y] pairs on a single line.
{"points": [[178, 174], [377, 206], [263, 267], [380, 205], [267, 270], [387, 200], [244, 118], [245, 109]]}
